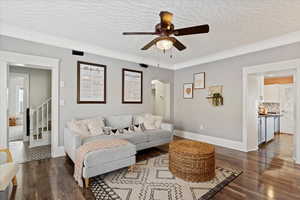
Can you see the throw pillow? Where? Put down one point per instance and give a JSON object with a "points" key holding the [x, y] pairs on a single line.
{"points": [[149, 121], [158, 121], [79, 127], [95, 126]]}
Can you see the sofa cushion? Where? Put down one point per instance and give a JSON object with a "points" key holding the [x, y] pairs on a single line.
{"points": [[157, 134], [96, 158], [119, 121], [134, 137]]}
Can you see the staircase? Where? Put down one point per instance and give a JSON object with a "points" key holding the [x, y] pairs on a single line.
{"points": [[40, 125]]}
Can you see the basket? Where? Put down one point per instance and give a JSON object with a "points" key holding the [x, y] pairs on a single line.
{"points": [[192, 161]]}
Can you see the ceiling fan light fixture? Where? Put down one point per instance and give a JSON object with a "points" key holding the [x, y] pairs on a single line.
{"points": [[164, 44]]}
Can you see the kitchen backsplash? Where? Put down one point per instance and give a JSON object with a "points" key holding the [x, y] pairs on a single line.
{"points": [[272, 107]]}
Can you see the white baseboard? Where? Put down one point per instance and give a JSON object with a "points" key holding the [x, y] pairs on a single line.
{"points": [[211, 140], [58, 152]]}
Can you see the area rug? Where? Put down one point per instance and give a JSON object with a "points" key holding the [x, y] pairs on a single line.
{"points": [[152, 180]]}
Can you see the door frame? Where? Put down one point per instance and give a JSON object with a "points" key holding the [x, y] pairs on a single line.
{"points": [[278, 66], [9, 58]]}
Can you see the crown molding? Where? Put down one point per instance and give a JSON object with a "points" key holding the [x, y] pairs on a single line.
{"points": [[254, 47], [20, 33], [33, 36]]}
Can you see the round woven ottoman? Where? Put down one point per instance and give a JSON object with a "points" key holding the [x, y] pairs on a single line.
{"points": [[192, 161]]}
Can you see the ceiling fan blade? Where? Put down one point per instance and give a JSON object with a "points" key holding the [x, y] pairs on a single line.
{"points": [[192, 30], [140, 33], [178, 45], [150, 44], [166, 17]]}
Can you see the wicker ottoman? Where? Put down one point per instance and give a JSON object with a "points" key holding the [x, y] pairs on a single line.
{"points": [[192, 161]]}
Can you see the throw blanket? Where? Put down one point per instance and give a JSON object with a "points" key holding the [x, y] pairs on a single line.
{"points": [[92, 146]]}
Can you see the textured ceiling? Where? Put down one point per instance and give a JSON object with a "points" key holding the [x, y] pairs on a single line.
{"points": [[233, 23]]}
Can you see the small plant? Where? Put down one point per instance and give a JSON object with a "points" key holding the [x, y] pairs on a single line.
{"points": [[217, 99]]}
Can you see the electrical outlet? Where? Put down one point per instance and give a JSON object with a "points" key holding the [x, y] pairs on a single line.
{"points": [[201, 126]]}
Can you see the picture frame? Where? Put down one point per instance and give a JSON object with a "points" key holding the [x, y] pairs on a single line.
{"points": [[132, 86], [199, 80], [91, 83], [188, 92]]}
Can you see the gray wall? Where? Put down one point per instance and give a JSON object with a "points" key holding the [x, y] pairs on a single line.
{"points": [[226, 121], [114, 81], [39, 84]]}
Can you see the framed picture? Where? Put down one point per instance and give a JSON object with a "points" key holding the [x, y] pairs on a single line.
{"points": [[91, 83], [199, 80], [188, 91], [132, 86]]}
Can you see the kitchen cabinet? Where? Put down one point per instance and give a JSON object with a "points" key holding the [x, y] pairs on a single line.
{"points": [[272, 93], [261, 130], [270, 128], [267, 125], [277, 124]]}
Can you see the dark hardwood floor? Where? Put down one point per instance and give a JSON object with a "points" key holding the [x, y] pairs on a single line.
{"points": [[267, 174]]}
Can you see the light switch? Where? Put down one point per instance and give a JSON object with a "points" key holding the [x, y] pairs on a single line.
{"points": [[62, 84]]}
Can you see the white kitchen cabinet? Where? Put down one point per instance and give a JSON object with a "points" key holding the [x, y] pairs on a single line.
{"points": [[270, 128], [272, 93], [261, 130]]}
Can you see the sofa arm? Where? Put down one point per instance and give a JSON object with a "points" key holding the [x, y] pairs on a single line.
{"points": [[167, 127], [71, 142]]}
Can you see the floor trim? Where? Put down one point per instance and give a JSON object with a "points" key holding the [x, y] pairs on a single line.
{"points": [[212, 140]]}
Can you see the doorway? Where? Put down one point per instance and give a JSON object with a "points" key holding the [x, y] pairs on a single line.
{"points": [[11, 58], [29, 108], [161, 99], [270, 112]]}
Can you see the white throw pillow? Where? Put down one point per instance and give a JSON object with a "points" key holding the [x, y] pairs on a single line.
{"points": [[95, 126], [158, 121], [150, 121], [79, 127]]}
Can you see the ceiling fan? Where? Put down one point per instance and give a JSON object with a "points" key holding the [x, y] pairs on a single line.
{"points": [[165, 29]]}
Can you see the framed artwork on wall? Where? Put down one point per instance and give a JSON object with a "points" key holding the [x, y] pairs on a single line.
{"points": [[188, 92], [132, 86], [199, 80], [91, 83]]}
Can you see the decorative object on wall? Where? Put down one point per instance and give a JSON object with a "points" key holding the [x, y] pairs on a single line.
{"points": [[188, 92], [132, 86], [199, 80], [215, 95], [91, 83]]}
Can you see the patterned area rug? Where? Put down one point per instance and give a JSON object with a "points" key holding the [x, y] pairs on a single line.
{"points": [[152, 180]]}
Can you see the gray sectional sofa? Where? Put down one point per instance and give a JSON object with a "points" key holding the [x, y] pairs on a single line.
{"points": [[97, 163]]}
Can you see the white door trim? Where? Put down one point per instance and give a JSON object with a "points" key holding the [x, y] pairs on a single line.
{"points": [[278, 66], [8, 58]]}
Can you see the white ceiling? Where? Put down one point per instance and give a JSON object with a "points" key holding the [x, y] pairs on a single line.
{"points": [[97, 25]]}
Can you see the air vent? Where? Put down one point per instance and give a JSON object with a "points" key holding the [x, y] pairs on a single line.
{"points": [[143, 65], [77, 53]]}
